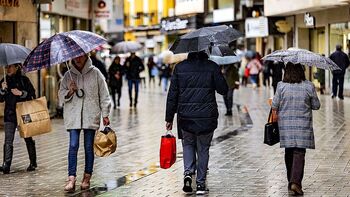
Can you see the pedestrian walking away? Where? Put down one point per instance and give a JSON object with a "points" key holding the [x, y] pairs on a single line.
{"points": [[83, 109], [230, 72], [254, 67], [292, 104], [15, 87], [152, 70], [116, 72], [192, 96], [165, 74], [342, 60], [133, 66]]}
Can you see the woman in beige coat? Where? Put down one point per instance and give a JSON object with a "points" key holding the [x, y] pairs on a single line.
{"points": [[86, 98]]}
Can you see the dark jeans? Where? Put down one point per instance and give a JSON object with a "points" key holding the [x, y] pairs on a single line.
{"points": [[10, 130], [266, 80], [338, 80], [132, 82], [196, 145], [89, 135], [254, 79], [117, 90], [295, 162], [228, 98]]}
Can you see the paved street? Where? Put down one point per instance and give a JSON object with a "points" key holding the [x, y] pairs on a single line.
{"points": [[240, 164]]}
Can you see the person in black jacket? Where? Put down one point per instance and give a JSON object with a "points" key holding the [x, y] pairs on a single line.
{"points": [[342, 60], [192, 96], [115, 79], [99, 64], [15, 88], [133, 68]]}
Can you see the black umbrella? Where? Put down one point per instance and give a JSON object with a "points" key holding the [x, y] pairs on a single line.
{"points": [[202, 38]]}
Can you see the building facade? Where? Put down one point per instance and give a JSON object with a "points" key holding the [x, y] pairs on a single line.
{"points": [[317, 26]]}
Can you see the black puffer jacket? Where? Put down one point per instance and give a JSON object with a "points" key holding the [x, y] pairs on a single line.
{"points": [[192, 94], [23, 84]]}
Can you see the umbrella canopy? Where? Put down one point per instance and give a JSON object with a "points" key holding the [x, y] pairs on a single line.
{"points": [[202, 38], [61, 48], [126, 47], [225, 60], [12, 54], [302, 56]]}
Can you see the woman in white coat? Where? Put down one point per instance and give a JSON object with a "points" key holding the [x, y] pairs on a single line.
{"points": [[86, 98]]}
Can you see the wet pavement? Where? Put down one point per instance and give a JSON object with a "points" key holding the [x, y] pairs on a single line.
{"points": [[240, 164]]}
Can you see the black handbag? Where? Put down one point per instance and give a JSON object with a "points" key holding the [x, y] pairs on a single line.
{"points": [[272, 134]]}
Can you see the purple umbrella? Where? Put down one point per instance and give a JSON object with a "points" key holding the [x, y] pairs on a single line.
{"points": [[61, 48]]}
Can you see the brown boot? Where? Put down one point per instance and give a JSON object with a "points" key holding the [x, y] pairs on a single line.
{"points": [[70, 186], [85, 183], [296, 189]]}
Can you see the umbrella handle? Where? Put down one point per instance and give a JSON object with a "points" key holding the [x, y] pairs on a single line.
{"points": [[70, 74]]}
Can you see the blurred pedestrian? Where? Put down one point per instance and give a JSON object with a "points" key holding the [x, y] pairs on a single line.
{"points": [[266, 71], [254, 67], [151, 65], [292, 107], [98, 64], [230, 72], [276, 69], [165, 71], [83, 109], [116, 71], [133, 66], [15, 87], [342, 60], [192, 96]]}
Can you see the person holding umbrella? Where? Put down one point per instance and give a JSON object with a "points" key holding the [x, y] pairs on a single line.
{"points": [[15, 87], [292, 107], [192, 96], [83, 114]]}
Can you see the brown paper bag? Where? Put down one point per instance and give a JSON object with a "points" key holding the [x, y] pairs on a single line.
{"points": [[33, 117], [105, 142]]}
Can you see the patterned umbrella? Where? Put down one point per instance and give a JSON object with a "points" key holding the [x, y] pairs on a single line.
{"points": [[61, 48], [302, 56], [202, 38], [12, 54]]}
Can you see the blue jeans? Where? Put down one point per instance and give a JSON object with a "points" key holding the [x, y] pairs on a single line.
{"points": [[89, 136], [130, 83]]}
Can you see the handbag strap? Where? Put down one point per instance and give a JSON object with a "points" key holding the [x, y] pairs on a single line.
{"points": [[270, 116]]}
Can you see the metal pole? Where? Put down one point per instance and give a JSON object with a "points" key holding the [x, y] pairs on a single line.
{"points": [[38, 37]]}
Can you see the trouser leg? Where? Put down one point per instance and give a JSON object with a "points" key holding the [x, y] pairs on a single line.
{"points": [[89, 135], [298, 166], [203, 145], [189, 152], [74, 136], [30, 143]]}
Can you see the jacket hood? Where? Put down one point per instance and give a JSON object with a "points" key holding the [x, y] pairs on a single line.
{"points": [[87, 67]]}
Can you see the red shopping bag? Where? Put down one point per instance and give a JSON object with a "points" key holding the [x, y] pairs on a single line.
{"points": [[167, 151]]}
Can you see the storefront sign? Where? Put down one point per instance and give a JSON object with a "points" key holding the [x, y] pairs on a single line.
{"points": [[283, 26], [9, 3], [223, 15], [256, 27], [103, 9], [189, 7], [309, 20], [72, 4], [168, 25]]}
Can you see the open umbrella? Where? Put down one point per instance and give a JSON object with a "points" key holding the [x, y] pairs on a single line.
{"points": [[126, 47], [12, 54], [202, 38], [62, 47], [302, 56]]}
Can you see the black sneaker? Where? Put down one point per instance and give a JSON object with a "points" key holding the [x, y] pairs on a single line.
{"points": [[187, 184], [202, 189]]}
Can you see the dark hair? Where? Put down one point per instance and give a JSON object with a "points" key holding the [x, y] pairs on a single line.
{"points": [[116, 57], [294, 73]]}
